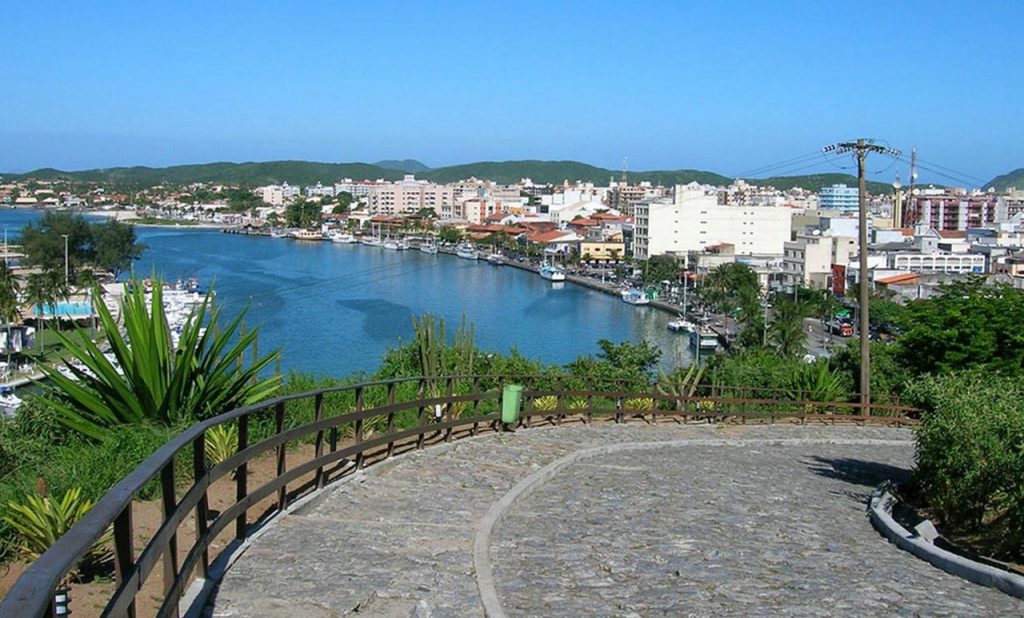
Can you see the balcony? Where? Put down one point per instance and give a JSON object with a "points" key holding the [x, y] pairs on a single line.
{"points": [[342, 461]]}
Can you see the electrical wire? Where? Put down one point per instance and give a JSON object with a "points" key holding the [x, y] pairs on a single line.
{"points": [[764, 169]]}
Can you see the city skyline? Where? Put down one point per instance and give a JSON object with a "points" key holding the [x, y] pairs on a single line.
{"points": [[720, 89]]}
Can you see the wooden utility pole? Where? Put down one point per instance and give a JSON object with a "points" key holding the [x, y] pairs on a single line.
{"points": [[860, 149]]}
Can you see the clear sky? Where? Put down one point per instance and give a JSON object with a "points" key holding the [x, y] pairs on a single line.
{"points": [[724, 86]]}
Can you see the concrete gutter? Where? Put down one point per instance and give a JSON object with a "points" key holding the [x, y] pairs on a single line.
{"points": [[880, 512]]}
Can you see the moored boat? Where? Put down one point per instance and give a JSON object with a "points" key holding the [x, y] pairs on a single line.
{"points": [[681, 324], [551, 273], [370, 241], [704, 338], [635, 297], [9, 402], [496, 259], [466, 251], [342, 238], [307, 235], [429, 247]]}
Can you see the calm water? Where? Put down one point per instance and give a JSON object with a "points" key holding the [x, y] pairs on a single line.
{"points": [[335, 309]]}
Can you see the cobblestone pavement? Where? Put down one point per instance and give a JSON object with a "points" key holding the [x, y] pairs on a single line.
{"points": [[747, 526]]}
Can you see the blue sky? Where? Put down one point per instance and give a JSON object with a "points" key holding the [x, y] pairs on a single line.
{"points": [[724, 86]]}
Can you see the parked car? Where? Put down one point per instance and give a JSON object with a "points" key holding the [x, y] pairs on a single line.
{"points": [[842, 328]]}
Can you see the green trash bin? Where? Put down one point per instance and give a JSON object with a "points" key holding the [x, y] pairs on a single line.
{"points": [[511, 397]]}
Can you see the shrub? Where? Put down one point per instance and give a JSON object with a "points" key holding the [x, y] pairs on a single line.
{"points": [[40, 520], [547, 403], [970, 450], [221, 443], [640, 404]]}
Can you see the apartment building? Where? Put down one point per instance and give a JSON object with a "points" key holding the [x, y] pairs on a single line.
{"points": [[839, 197], [693, 220], [408, 196]]}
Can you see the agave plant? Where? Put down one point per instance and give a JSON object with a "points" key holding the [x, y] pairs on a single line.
{"points": [[40, 520], [640, 404], [817, 382], [221, 443], [577, 403], [547, 403], [153, 380], [679, 385]]}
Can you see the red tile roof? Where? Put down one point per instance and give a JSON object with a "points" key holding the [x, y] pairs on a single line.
{"points": [[907, 279]]}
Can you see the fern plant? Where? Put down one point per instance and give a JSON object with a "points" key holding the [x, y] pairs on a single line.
{"points": [[40, 520]]}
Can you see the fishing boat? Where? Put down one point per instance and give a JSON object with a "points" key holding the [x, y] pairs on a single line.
{"points": [[9, 402], [704, 339], [346, 239], [635, 297], [307, 235], [551, 273], [466, 251], [682, 324]]}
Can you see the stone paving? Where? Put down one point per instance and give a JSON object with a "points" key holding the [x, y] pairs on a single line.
{"points": [[766, 520]]}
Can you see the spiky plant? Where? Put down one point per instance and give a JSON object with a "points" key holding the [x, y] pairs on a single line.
{"points": [[203, 376], [547, 403], [40, 520], [641, 404], [679, 385], [221, 443]]}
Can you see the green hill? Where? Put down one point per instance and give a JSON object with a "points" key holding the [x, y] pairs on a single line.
{"points": [[409, 166], [1008, 180], [304, 173]]}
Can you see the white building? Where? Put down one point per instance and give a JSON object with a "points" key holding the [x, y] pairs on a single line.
{"points": [[693, 220], [838, 197]]}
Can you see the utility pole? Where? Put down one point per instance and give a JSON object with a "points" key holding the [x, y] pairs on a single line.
{"points": [[910, 195], [860, 149], [65, 258]]}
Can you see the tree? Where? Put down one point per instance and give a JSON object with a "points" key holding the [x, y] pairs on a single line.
{"points": [[730, 286], [241, 200], [302, 214], [969, 324], [787, 333], [344, 200], [450, 234], [37, 293], [43, 241], [115, 246], [613, 255], [273, 219], [661, 268], [155, 381], [9, 311]]}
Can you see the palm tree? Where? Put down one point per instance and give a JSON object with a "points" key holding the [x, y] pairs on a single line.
{"points": [[58, 290], [9, 310], [37, 293], [787, 330]]}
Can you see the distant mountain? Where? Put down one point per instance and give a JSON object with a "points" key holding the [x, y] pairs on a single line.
{"points": [[304, 173], [1010, 179], [409, 166]]}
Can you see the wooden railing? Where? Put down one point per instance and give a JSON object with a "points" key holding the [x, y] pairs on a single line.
{"points": [[348, 428]]}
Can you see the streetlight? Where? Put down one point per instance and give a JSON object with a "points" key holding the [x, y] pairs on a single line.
{"points": [[65, 258]]}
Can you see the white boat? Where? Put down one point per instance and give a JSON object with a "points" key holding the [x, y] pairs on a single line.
{"points": [[466, 251], [429, 248], [9, 402], [391, 244], [635, 297], [403, 245], [682, 324], [307, 235], [278, 233], [496, 259], [343, 238], [704, 338], [551, 273], [371, 241]]}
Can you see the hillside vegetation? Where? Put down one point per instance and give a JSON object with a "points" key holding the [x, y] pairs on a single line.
{"points": [[308, 172], [1008, 180]]}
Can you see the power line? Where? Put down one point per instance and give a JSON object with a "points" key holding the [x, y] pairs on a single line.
{"points": [[780, 164]]}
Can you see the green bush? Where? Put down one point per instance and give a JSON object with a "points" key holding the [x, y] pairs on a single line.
{"points": [[970, 450]]}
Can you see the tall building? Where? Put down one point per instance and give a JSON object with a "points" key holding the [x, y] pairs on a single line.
{"points": [[838, 197], [693, 220], [408, 196]]}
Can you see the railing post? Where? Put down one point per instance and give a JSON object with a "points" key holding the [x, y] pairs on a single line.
{"points": [[318, 444], [242, 477], [449, 411], [421, 414], [476, 405], [169, 501], [524, 421], [391, 418], [501, 403], [124, 553], [359, 428], [203, 507], [559, 400], [589, 385], [282, 493]]}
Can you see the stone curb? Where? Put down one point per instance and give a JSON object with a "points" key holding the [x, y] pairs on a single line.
{"points": [[880, 512], [485, 527]]}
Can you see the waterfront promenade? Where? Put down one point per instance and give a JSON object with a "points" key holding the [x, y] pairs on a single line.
{"points": [[608, 520]]}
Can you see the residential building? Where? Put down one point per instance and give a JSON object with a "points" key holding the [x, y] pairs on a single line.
{"points": [[839, 197], [408, 196], [693, 220]]}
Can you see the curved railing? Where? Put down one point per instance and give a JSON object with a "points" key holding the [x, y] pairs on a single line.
{"points": [[349, 427]]}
